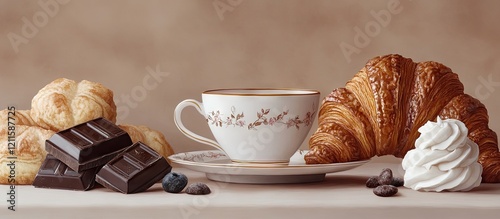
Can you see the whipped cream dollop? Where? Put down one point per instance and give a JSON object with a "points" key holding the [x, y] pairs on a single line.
{"points": [[444, 159]]}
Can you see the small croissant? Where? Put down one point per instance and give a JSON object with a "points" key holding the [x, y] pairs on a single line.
{"points": [[380, 110]]}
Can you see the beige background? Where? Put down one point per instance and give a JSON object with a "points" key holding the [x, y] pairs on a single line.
{"points": [[252, 44]]}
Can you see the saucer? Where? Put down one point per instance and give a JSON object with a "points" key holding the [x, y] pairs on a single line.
{"points": [[218, 167]]}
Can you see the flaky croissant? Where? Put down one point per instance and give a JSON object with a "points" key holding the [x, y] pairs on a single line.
{"points": [[24, 146], [65, 103], [381, 109]]}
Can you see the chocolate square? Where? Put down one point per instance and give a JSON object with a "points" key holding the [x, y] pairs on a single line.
{"points": [[54, 174], [88, 145], [135, 170]]}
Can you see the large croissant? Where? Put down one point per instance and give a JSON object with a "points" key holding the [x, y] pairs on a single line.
{"points": [[380, 110]]}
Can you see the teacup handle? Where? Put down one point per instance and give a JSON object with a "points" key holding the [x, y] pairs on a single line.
{"points": [[178, 122]]}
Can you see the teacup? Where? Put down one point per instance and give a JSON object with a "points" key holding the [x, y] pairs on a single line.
{"points": [[254, 125]]}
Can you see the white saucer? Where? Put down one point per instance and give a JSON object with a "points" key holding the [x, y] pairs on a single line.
{"points": [[218, 167]]}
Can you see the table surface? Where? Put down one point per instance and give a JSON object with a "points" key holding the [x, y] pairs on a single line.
{"points": [[340, 195]]}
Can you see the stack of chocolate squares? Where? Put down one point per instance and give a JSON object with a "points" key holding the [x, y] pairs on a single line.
{"points": [[99, 151]]}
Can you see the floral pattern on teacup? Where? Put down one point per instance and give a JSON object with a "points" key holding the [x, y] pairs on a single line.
{"points": [[263, 118], [215, 118]]}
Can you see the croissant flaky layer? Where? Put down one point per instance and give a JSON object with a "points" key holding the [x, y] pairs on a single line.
{"points": [[380, 110]]}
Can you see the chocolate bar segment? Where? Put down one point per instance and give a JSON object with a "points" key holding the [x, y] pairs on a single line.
{"points": [[88, 145], [54, 174], [135, 170]]}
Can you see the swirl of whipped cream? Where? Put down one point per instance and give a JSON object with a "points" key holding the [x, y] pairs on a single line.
{"points": [[444, 158]]}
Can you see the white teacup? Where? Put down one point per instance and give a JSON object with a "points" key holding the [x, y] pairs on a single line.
{"points": [[254, 125]]}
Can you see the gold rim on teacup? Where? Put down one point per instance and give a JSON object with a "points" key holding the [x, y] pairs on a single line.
{"points": [[261, 92]]}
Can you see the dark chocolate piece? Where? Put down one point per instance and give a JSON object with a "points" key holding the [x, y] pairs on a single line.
{"points": [[135, 170], [54, 174], [88, 145]]}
